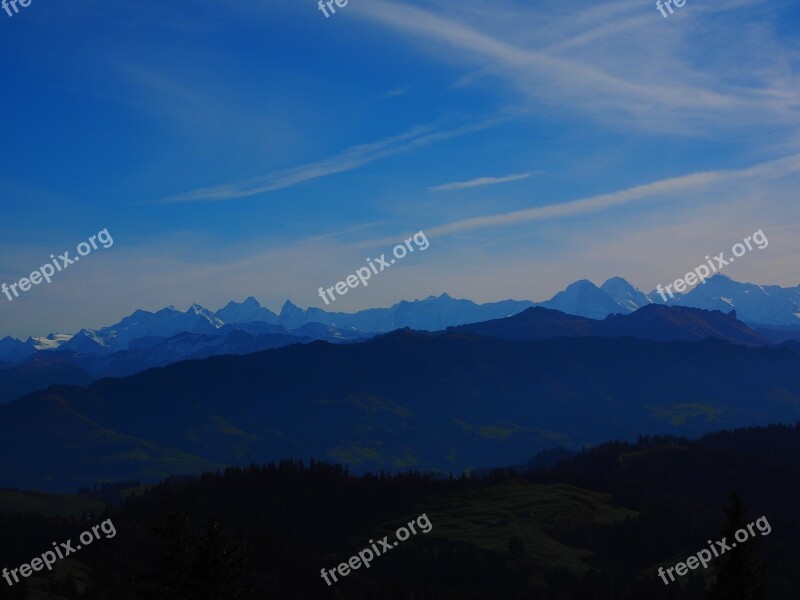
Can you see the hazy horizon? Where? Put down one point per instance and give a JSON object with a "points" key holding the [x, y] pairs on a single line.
{"points": [[332, 308]]}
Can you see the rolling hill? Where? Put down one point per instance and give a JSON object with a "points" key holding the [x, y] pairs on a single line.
{"points": [[441, 402]]}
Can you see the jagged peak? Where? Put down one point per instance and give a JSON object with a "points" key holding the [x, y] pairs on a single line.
{"points": [[289, 308]]}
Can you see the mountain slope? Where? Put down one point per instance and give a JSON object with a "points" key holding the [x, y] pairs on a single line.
{"points": [[443, 402], [183, 346], [39, 373], [14, 350], [585, 299], [624, 294], [755, 304], [596, 526], [679, 323], [652, 322], [536, 323]]}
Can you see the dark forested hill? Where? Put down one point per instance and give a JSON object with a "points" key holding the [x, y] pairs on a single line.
{"points": [[39, 373], [595, 526], [405, 400]]}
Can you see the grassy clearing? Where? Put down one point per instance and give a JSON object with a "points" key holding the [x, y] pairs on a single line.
{"points": [[490, 517], [48, 505]]}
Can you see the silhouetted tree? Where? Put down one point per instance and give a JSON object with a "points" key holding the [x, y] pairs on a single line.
{"points": [[516, 547], [740, 575], [194, 566], [217, 566], [174, 578]]}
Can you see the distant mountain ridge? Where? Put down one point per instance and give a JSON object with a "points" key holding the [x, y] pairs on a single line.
{"points": [[653, 322], [431, 314], [769, 308]]}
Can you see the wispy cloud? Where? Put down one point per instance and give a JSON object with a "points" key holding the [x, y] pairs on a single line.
{"points": [[401, 91], [481, 181], [601, 63], [768, 170], [350, 159]]}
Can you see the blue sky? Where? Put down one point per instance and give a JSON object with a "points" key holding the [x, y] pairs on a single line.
{"points": [[254, 148]]}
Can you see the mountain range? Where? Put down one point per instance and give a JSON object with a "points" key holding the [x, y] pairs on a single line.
{"points": [[769, 308], [145, 339], [431, 401]]}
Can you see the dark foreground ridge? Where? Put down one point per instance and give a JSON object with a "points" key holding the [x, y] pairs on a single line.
{"points": [[594, 526]]}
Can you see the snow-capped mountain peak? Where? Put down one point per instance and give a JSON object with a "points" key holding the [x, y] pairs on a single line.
{"points": [[756, 305], [585, 299], [625, 294], [246, 312]]}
